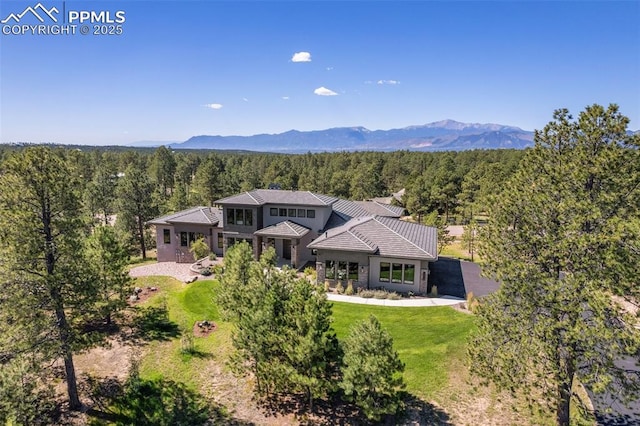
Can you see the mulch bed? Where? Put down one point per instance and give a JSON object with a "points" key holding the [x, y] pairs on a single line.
{"points": [[204, 328]]}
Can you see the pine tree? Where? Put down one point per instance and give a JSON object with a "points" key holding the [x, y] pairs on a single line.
{"points": [[372, 372], [45, 290], [136, 204], [563, 241], [108, 258]]}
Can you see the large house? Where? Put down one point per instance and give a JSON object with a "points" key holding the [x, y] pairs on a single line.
{"points": [[362, 241]]}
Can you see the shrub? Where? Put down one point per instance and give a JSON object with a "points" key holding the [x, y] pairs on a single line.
{"points": [[187, 341], [310, 272], [367, 294], [434, 291], [206, 271], [349, 290], [394, 296], [212, 256], [199, 248], [380, 294], [327, 286], [339, 288]]}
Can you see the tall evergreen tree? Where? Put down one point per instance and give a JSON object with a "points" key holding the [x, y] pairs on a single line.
{"points": [[44, 289], [563, 241], [108, 258], [136, 206]]}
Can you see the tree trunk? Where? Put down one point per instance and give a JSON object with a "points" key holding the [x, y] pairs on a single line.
{"points": [[564, 396], [67, 355], [141, 235]]}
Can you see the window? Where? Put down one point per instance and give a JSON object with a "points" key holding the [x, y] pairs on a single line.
{"points": [[302, 213], [409, 273], [353, 271], [396, 272], [283, 212], [311, 214], [292, 212], [342, 270], [385, 269], [273, 211], [186, 238], [330, 273], [243, 217], [239, 217], [220, 240], [166, 233]]}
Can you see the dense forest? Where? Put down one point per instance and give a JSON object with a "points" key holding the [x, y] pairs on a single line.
{"points": [[144, 183]]}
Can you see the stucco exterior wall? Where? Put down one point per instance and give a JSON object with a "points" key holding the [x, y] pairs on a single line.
{"points": [[174, 252]]}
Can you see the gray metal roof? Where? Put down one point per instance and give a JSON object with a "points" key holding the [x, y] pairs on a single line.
{"points": [[349, 209], [194, 216], [286, 229], [259, 197], [384, 236], [381, 209]]}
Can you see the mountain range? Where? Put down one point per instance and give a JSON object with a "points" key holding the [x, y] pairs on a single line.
{"points": [[446, 135]]}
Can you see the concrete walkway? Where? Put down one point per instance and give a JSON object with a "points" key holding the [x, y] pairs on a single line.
{"points": [[426, 301]]}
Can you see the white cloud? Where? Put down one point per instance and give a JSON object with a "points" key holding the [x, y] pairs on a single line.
{"points": [[323, 91], [368, 82], [213, 106], [286, 98], [391, 82], [301, 57], [329, 68], [245, 99]]}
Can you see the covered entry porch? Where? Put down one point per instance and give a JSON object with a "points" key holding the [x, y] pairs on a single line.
{"points": [[285, 237]]}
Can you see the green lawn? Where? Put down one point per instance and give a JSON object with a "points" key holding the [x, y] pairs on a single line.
{"points": [[429, 340], [186, 304]]}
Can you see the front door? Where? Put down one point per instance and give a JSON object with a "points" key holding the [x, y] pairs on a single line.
{"points": [[286, 249]]}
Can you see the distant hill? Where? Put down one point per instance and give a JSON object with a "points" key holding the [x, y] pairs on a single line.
{"points": [[447, 135]]}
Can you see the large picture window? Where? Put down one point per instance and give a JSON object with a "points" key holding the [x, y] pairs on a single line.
{"points": [[341, 270], [273, 211], [311, 214], [400, 273], [242, 217], [187, 238], [302, 213], [220, 240]]}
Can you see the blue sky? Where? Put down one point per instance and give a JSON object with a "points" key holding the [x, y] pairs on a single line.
{"points": [[185, 68]]}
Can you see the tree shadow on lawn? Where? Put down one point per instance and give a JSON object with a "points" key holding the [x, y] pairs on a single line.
{"points": [[336, 411], [153, 323], [151, 402]]}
